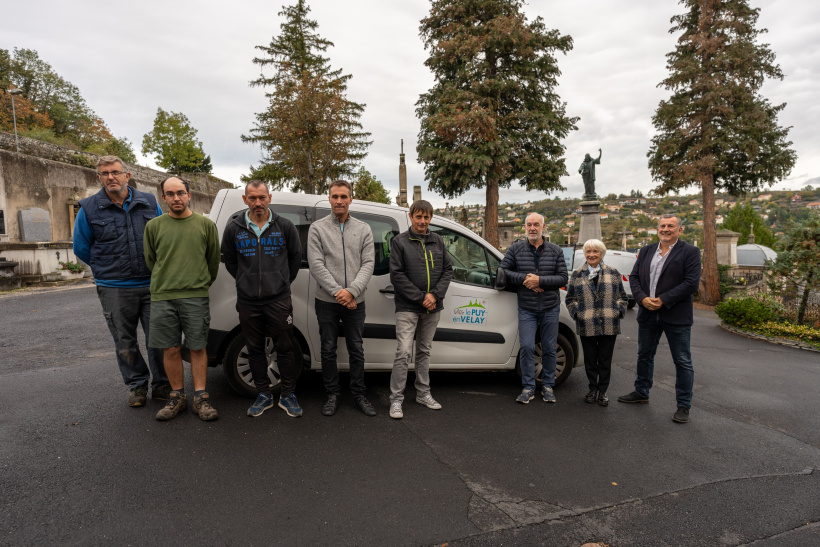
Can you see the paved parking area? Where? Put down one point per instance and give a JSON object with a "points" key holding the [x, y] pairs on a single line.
{"points": [[79, 467]]}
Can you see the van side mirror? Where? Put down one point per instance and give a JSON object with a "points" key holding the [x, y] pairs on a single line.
{"points": [[500, 279]]}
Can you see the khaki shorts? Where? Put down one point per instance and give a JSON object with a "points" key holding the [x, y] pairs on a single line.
{"points": [[171, 318]]}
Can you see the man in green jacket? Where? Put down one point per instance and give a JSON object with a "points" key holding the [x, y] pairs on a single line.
{"points": [[182, 252]]}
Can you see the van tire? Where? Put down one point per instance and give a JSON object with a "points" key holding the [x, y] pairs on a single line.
{"points": [[564, 361], [237, 370], [631, 304]]}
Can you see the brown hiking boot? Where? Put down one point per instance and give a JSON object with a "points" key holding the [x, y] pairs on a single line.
{"points": [[176, 404], [202, 407], [138, 396]]}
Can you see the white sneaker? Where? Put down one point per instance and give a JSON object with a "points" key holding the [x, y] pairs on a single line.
{"points": [[395, 410], [428, 401]]}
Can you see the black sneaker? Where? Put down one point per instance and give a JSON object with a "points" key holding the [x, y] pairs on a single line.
{"points": [[331, 406], [603, 400], [364, 405], [591, 396], [138, 396], [161, 392], [681, 416], [633, 397]]}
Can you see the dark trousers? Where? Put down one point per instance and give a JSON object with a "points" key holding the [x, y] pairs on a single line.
{"points": [[679, 337], [333, 320], [275, 321], [124, 308], [598, 360]]}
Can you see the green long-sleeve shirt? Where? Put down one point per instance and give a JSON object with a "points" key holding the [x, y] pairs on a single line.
{"points": [[182, 254]]}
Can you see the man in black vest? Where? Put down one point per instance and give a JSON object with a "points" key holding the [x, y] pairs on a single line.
{"points": [[108, 234]]}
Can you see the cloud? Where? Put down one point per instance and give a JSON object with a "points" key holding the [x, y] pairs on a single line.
{"points": [[195, 58]]}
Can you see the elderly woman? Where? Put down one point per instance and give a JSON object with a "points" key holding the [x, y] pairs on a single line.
{"points": [[597, 301]]}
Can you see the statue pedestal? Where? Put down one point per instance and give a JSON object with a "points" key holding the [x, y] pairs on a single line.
{"points": [[590, 222]]}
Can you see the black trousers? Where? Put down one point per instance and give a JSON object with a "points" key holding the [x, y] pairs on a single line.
{"points": [[598, 360], [260, 321], [335, 320]]}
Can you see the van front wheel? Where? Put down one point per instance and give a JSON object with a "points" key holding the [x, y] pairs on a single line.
{"points": [[238, 371]]}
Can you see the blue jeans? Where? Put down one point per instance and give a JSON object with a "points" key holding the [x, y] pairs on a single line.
{"points": [[528, 325], [335, 320], [678, 336], [124, 309]]}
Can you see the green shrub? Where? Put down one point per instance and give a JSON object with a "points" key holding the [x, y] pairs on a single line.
{"points": [[746, 311], [72, 267], [804, 333], [726, 282]]}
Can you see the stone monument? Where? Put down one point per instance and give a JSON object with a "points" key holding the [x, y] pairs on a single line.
{"points": [[401, 198], [590, 215]]}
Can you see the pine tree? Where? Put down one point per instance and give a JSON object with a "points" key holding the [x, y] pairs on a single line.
{"points": [[493, 115], [310, 132], [716, 131], [741, 218]]}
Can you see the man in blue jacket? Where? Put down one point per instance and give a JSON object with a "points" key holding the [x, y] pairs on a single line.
{"points": [[108, 236], [538, 268], [663, 280], [262, 251]]}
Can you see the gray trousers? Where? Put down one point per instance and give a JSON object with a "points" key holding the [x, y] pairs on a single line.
{"points": [[124, 308], [423, 327]]}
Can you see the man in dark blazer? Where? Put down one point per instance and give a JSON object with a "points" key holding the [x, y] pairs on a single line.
{"points": [[663, 281]]}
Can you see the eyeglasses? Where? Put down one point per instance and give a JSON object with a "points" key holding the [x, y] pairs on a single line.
{"points": [[178, 193], [104, 174]]}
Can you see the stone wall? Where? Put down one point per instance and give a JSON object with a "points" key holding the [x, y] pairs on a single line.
{"points": [[54, 178]]}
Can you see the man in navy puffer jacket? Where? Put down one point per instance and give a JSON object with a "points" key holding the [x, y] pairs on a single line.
{"points": [[538, 267]]}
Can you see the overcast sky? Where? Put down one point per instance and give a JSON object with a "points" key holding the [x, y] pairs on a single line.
{"points": [[128, 58]]}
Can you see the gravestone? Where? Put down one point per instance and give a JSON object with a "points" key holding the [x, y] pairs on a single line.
{"points": [[35, 225]]}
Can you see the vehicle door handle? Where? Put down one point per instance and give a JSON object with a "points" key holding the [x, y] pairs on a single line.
{"points": [[388, 290]]}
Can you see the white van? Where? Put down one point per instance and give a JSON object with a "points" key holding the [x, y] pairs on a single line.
{"points": [[623, 261], [479, 324]]}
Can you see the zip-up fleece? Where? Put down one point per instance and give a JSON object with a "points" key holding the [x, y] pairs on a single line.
{"points": [[264, 266], [419, 264], [340, 259]]}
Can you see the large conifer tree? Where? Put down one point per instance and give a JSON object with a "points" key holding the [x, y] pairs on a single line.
{"points": [[716, 131], [310, 132], [493, 115]]}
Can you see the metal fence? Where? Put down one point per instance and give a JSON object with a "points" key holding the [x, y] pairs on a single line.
{"points": [[754, 284]]}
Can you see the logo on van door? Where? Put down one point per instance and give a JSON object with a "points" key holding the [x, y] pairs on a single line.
{"points": [[469, 311]]}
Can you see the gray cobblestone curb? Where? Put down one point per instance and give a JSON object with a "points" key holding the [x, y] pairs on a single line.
{"points": [[773, 340]]}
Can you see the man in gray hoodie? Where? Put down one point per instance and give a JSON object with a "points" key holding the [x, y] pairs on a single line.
{"points": [[341, 258]]}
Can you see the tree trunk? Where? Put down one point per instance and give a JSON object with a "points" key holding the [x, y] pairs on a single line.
{"points": [[491, 212], [709, 291]]}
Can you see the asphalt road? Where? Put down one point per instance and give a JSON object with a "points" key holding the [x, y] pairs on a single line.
{"points": [[77, 466]]}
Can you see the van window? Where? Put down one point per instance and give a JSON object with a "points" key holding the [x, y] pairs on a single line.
{"points": [[384, 230], [472, 264], [301, 217]]}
